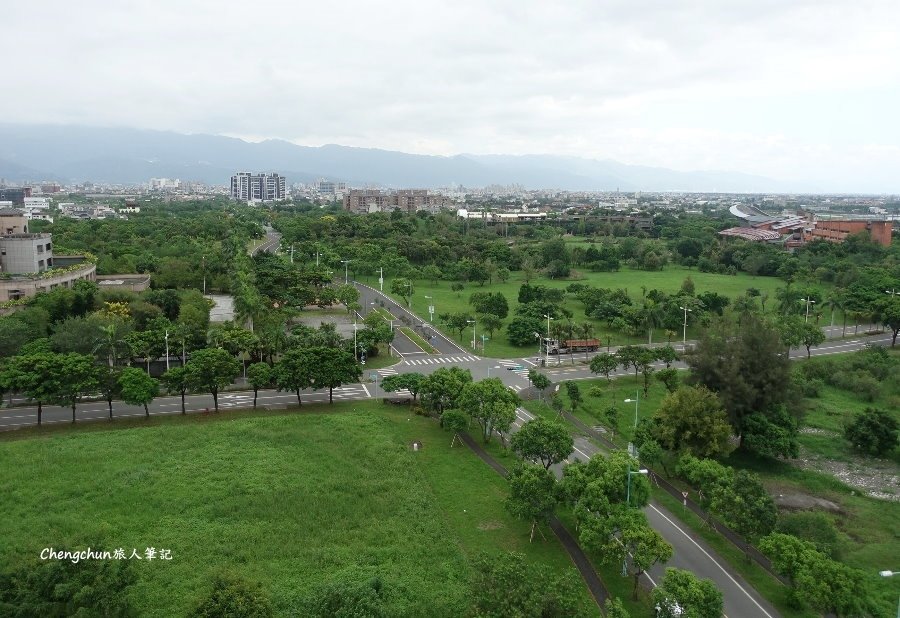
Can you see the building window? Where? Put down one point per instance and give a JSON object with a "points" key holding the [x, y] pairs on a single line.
{"points": [[41, 265], [40, 248]]}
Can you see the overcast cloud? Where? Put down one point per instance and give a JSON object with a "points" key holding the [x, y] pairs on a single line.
{"points": [[795, 90]]}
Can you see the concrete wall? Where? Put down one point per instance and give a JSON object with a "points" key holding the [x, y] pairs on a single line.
{"points": [[26, 253], [20, 287]]}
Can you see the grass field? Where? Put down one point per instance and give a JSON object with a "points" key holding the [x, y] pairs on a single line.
{"points": [[668, 280], [287, 499]]}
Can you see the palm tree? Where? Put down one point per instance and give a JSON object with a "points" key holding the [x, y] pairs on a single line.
{"points": [[651, 317], [586, 331], [111, 341], [835, 301]]}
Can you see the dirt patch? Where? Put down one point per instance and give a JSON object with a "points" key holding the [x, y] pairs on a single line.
{"points": [[796, 501], [877, 478], [490, 525]]}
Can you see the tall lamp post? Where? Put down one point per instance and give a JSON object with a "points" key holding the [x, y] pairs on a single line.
{"points": [[891, 574], [684, 332], [355, 347], [346, 263], [628, 503], [809, 301], [167, 349], [547, 341], [473, 323], [430, 309]]}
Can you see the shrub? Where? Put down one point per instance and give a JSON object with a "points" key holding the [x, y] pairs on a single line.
{"points": [[812, 526]]}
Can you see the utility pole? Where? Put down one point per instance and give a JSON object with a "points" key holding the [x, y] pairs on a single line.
{"points": [[684, 333], [346, 263], [547, 342], [167, 349], [292, 253], [381, 279], [204, 274]]}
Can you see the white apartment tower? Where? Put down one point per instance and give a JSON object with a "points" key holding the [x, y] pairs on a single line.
{"points": [[247, 187]]}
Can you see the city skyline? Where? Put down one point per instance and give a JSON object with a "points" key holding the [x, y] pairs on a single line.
{"points": [[800, 92]]}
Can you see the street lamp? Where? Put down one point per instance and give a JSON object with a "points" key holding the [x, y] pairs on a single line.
{"points": [[636, 401], [167, 349], [892, 292], [473, 323], [891, 574], [809, 301], [495, 367], [346, 263], [355, 347], [547, 341], [430, 308], [628, 503], [684, 334]]}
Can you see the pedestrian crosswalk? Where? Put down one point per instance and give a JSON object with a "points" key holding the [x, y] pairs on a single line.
{"points": [[438, 360], [519, 369], [390, 371]]}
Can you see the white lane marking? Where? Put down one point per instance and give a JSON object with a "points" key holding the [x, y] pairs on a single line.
{"points": [[529, 362], [582, 452], [711, 559], [367, 390]]}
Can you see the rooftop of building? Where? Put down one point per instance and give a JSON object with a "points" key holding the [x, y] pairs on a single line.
{"points": [[11, 212]]}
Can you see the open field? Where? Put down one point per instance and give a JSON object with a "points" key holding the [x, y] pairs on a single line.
{"points": [[634, 281], [287, 499]]}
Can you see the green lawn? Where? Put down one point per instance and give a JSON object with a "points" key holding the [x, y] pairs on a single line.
{"points": [[284, 498], [634, 281]]}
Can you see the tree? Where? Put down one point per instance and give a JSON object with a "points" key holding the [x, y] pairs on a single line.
{"points": [[744, 506], [507, 585], [259, 375], [77, 378], [611, 414], [175, 381], [630, 356], [332, 368], [669, 378], [347, 295], [455, 421], [637, 540], [402, 287], [539, 381], [489, 403], [410, 381], [605, 364], [574, 394], [521, 330], [233, 596], [645, 362], [614, 608], [888, 312], [542, 440], [532, 495], [811, 336], [432, 273], [692, 419], [457, 322], [443, 387], [873, 432], [667, 354], [503, 274], [212, 369], [35, 375], [681, 594], [490, 323], [293, 372], [138, 388], [108, 385], [62, 588]]}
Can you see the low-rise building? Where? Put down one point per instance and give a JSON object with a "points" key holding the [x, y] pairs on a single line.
{"points": [[363, 201]]}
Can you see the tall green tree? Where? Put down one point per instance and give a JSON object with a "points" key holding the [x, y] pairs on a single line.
{"points": [[574, 393], [490, 404], [548, 442], [259, 375], [77, 379], [604, 364], [138, 388], [294, 372], [35, 375], [539, 381], [873, 432], [403, 287], [681, 594], [413, 382], [533, 495], [442, 388], [176, 381], [692, 419], [212, 369], [332, 368]]}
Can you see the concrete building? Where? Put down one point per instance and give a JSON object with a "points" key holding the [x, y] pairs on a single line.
{"points": [[837, 230], [25, 253], [363, 201], [12, 221], [263, 187], [15, 195], [36, 202]]}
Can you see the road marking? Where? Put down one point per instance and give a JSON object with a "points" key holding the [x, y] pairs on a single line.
{"points": [[367, 390], [711, 559]]}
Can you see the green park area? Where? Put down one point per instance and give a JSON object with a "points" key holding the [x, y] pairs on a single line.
{"points": [[843, 498], [634, 281], [300, 506]]}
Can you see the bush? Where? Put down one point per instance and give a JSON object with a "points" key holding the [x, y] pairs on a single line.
{"points": [[815, 527], [808, 387], [873, 432], [232, 596]]}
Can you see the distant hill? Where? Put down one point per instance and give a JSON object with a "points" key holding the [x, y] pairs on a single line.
{"points": [[75, 154]]}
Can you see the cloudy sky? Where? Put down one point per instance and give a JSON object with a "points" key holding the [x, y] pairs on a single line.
{"points": [[805, 91]]}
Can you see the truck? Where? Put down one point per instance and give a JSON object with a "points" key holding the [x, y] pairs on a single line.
{"points": [[568, 346]]}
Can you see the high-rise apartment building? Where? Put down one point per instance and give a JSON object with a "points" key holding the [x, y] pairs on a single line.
{"points": [[263, 187], [361, 201]]}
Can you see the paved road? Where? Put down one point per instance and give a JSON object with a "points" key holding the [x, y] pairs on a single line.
{"points": [[443, 344], [690, 553]]}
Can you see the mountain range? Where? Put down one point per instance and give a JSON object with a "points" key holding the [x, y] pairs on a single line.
{"points": [[129, 156]]}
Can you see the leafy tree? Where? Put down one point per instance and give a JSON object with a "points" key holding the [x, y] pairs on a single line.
{"points": [[332, 368], [77, 334], [61, 588], [402, 287], [813, 526], [455, 421], [490, 302], [293, 372], [669, 378], [432, 273], [745, 506], [35, 375], [521, 329], [681, 594], [635, 538], [888, 313], [532, 495], [873, 432], [233, 596], [412, 382], [457, 322], [630, 356], [442, 388], [645, 362], [489, 403], [259, 375], [574, 394], [77, 378], [347, 295], [507, 585], [490, 323], [138, 388], [542, 440], [611, 415], [811, 336], [605, 364], [772, 435], [667, 354], [176, 381], [503, 274], [789, 554], [614, 608], [212, 369], [538, 380], [108, 385], [692, 419]]}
